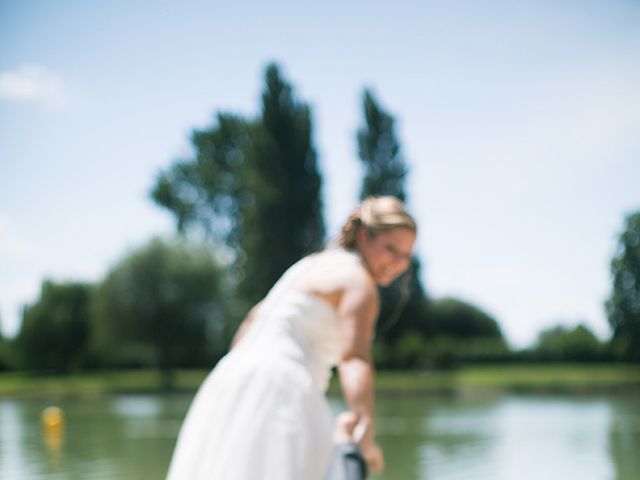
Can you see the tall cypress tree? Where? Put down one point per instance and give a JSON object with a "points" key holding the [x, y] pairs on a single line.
{"points": [[379, 150], [623, 306], [288, 211], [385, 174]]}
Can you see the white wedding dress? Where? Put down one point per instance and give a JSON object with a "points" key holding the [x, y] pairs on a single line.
{"points": [[261, 414]]}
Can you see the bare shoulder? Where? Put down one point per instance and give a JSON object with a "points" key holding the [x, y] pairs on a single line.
{"points": [[338, 277], [358, 279], [359, 289], [348, 270]]}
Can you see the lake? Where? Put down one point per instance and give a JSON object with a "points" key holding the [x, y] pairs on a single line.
{"points": [[474, 436]]}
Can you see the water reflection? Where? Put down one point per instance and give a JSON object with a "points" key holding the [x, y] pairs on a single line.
{"points": [[507, 437], [443, 438], [545, 438], [624, 437], [460, 434], [12, 458], [400, 432]]}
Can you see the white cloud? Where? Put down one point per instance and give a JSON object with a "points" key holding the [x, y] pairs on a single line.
{"points": [[33, 83], [12, 243]]}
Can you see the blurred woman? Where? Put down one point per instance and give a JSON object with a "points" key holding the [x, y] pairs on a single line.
{"points": [[262, 413]]}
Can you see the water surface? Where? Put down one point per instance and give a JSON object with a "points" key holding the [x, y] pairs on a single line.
{"points": [[497, 437]]}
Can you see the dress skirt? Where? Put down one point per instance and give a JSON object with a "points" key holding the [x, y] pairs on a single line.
{"points": [[255, 418]]}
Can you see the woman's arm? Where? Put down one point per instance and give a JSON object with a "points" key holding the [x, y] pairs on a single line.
{"points": [[357, 311], [244, 326]]}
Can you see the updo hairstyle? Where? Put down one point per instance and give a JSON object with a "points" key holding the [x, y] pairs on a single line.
{"points": [[375, 214]]}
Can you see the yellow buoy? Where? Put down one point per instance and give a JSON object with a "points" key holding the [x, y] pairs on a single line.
{"points": [[52, 419]]}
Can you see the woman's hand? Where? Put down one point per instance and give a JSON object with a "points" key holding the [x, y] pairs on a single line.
{"points": [[372, 454], [351, 429]]}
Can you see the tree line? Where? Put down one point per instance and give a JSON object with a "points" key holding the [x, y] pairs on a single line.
{"points": [[247, 204]]}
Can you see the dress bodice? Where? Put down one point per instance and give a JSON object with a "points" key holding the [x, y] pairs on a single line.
{"points": [[297, 325], [261, 412]]}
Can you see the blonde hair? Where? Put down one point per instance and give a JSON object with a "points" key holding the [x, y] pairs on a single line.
{"points": [[375, 214]]}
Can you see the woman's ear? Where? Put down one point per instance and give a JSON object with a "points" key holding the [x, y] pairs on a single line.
{"points": [[362, 235]]}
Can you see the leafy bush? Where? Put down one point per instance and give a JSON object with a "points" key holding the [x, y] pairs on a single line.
{"points": [[54, 335], [157, 305], [564, 344]]}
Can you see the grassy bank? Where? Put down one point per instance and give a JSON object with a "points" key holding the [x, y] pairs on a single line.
{"points": [[567, 378], [96, 383]]}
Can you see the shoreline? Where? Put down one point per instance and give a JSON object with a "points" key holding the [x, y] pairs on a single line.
{"points": [[475, 379]]}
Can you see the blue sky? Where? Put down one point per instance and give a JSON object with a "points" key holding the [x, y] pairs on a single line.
{"points": [[519, 121]]}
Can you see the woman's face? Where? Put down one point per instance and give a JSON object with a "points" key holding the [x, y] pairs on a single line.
{"points": [[387, 253]]}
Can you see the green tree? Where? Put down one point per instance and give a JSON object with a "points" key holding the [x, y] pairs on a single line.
{"points": [[455, 318], [213, 192], [4, 352], [623, 306], [461, 332], [379, 150], [54, 334], [560, 343], [449, 332], [288, 221], [254, 187], [159, 306]]}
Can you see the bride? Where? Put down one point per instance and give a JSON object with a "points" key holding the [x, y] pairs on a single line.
{"points": [[262, 413]]}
